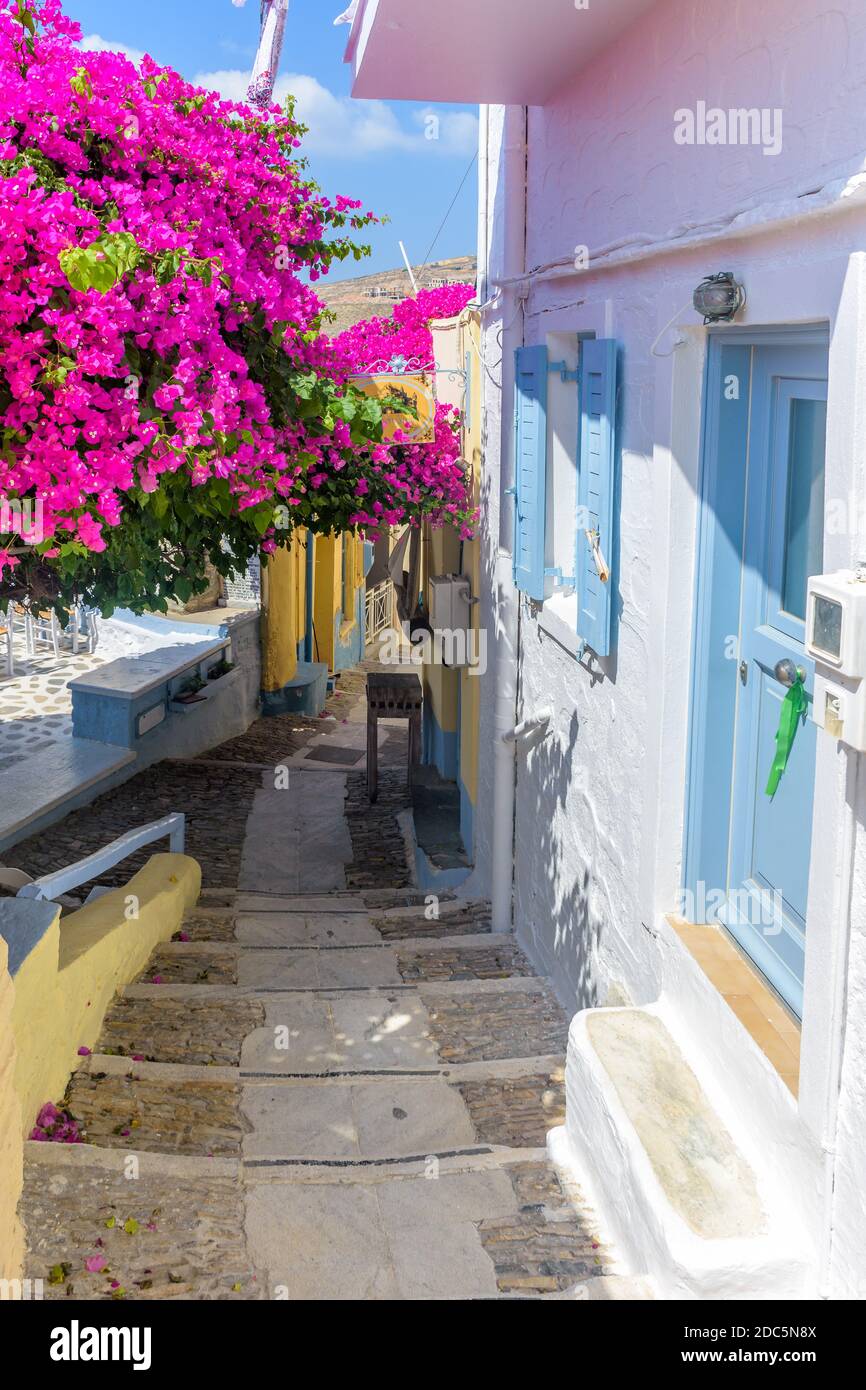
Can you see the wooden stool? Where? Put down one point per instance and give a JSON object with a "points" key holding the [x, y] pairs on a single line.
{"points": [[392, 697]]}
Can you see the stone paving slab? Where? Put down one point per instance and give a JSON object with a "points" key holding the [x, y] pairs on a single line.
{"points": [[302, 929], [382, 1030], [320, 1243], [398, 1239], [304, 903], [295, 838], [361, 1120], [329, 969], [325, 1032]]}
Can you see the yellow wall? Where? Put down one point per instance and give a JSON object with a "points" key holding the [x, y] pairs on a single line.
{"points": [[326, 596], [11, 1244], [68, 980], [335, 631], [283, 608]]}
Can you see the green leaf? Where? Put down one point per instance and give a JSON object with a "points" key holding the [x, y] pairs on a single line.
{"points": [[81, 84]]}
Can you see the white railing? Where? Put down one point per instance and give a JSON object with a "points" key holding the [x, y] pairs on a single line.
{"points": [[53, 886], [380, 602]]}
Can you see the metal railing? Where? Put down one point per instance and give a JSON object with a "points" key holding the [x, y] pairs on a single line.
{"points": [[380, 605], [52, 886]]}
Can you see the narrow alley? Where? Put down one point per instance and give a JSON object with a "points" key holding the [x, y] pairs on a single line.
{"points": [[327, 1085]]}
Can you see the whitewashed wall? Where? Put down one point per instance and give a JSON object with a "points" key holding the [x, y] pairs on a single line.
{"points": [[600, 804]]}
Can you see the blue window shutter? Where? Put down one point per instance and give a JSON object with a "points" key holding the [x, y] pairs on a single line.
{"points": [[596, 489], [530, 469]]}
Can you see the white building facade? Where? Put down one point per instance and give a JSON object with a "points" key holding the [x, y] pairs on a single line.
{"points": [[657, 492]]}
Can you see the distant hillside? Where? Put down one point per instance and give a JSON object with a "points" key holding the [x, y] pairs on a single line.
{"points": [[371, 296]]}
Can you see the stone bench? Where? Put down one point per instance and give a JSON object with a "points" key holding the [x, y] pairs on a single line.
{"points": [[39, 787], [670, 1181]]}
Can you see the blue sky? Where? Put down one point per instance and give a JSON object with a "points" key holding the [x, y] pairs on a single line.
{"points": [[375, 151]]}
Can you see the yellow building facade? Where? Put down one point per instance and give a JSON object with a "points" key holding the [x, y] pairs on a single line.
{"points": [[313, 615]]}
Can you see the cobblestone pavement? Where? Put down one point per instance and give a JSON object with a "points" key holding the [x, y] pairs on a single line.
{"points": [[498, 962], [321, 1096], [159, 1236], [216, 801], [119, 1110]]}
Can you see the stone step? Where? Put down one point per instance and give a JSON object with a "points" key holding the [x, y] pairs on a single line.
{"points": [[669, 1181], [159, 1114], [477, 1233], [176, 1231]]}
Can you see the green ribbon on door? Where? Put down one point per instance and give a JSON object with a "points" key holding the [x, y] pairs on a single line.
{"points": [[794, 708]]}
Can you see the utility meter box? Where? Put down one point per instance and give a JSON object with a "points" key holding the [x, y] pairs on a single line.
{"points": [[450, 603], [836, 641]]}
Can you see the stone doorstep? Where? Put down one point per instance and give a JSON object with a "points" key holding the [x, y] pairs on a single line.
{"points": [[484, 1159]]}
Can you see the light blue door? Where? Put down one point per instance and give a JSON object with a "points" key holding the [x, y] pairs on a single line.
{"points": [[760, 537], [770, 836]]}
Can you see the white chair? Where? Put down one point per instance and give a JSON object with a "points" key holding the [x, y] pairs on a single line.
{"points": [[82, 628], [20, 619], [46, 628], [90, 628], [6, 640]]}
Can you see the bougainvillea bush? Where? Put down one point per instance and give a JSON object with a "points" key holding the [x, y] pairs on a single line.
{"points": [[415, 472], [166, 392]]}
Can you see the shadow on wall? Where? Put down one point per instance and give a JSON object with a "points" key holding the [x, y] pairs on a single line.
{"points": [[557, 909]]}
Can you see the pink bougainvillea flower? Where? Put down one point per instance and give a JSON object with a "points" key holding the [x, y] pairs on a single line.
{"points": [[155, 242], [95, 1264], [84, 1052]]}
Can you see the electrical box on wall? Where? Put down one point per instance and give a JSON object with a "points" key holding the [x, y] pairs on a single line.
{"points": [[450, 603], [836, 641]]}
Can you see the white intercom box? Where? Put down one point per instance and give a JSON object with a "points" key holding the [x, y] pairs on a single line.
{"points": [[836, 641], [450, 603]]}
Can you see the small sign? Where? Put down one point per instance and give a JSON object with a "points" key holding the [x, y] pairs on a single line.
{"points": [[416, 389], [150, 718]]}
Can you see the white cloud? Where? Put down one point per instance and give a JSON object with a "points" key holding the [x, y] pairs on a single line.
{"points": [[343, 126], [95, 43]]}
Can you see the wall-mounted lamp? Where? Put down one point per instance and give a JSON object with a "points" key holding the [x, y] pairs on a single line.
{"points": [[719, 297]]}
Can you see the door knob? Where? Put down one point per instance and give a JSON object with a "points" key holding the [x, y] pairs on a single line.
{"points": [[787, 673]]}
